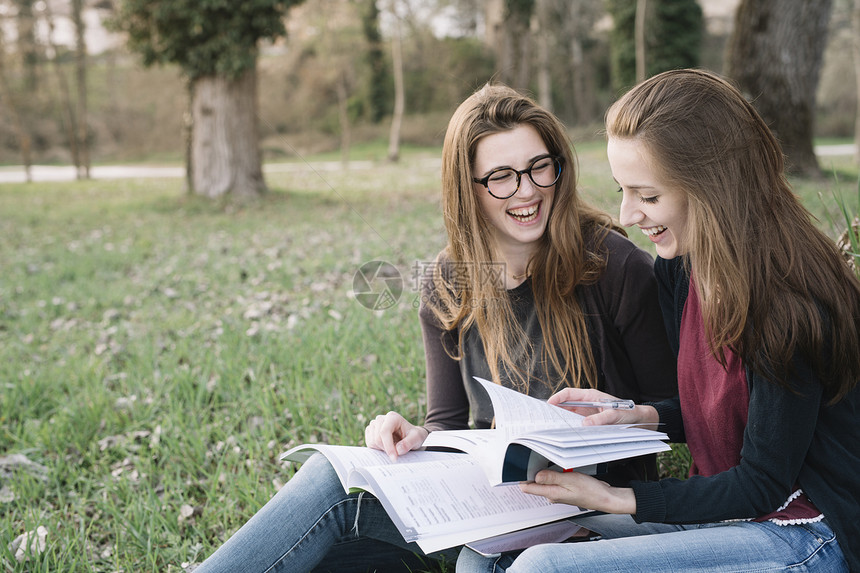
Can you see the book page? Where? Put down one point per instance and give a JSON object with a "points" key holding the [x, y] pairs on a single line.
{"points": [[518, 413], [446, 503], [344, 459], [555, 532], [487, 447]]}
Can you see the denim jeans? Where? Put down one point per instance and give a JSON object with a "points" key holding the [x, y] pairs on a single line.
{"points": [[655, 548], [312, 525]]}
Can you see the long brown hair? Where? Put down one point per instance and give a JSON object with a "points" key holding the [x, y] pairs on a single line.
{"points": [[776, 286], [568, 254]]}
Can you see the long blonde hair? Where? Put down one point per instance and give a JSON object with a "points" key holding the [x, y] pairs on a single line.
{"points": [[569, 253], [777, 285]]}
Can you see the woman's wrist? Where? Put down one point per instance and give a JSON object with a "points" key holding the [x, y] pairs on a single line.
{"points": [[647, 414], [624, 501]]}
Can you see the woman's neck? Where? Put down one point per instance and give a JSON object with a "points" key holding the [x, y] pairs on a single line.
{"points": [[517, 266]]}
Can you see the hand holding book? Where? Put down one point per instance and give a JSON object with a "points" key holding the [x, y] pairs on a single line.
{"points": [[581, 490], [441, 499]]}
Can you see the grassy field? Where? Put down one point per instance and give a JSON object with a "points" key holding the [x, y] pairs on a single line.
{"points": [[158, 352]]}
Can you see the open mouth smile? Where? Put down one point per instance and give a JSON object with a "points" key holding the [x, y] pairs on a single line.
{"points": [[653, 232], [525, 214]]}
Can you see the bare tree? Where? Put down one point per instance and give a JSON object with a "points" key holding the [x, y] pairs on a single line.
{"points": [[509, 36], [82, 132], [377, 73], [66, 103], [399, 88], [27, 46], [541, 28], [14, 109], [342, 89], [336, 49], [218, 167], [639, 32], [576, 22], [775, 55], [855, 25], [114, 123], [217, 47]]}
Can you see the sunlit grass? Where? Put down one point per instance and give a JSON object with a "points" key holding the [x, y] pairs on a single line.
{"points": [[158, 352]]}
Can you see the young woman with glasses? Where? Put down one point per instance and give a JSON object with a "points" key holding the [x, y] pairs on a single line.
{"points": [[536, 290], [764, 316]]}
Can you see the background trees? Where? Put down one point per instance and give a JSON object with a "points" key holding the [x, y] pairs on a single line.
{"points": [[215, 43], [673, 33], [329, 83], [775, 54]]}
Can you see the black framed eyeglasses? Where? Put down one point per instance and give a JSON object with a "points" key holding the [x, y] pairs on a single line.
{"points": [[504, 182]]}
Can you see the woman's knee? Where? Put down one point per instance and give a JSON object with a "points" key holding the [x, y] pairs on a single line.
{"points": [[536, 558], [469, 561], [315, 476]]}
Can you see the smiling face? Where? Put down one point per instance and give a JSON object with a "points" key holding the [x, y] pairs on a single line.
{"points": [[659, 210], [518, 222]]}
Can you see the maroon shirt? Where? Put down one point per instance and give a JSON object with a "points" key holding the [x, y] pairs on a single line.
{"points": [[714, 405]]}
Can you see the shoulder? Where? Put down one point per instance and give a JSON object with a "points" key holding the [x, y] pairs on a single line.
{"points": [[426, 271], [668, 266], [624, 260], [673, 276], [627, 276]]}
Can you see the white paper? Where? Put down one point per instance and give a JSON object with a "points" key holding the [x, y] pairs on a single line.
{"points": [[554, 532], [517, 415], [446, 503]]}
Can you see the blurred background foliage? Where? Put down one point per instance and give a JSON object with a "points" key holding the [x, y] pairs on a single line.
{"points": [[336, 55]]}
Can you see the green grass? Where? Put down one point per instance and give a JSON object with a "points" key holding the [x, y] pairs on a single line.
{"points": [[159, 351]]}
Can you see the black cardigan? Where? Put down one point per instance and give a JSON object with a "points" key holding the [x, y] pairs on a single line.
{"points": [[791, 438]]}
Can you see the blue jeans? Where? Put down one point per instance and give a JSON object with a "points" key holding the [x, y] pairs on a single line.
{"points": [[736, 546], [312, 525]]}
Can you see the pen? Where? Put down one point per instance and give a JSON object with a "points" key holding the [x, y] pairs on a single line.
{"points": [[613, 404]]}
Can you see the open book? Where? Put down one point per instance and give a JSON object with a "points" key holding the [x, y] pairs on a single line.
{"points": [[531, 435], [443, 499]]}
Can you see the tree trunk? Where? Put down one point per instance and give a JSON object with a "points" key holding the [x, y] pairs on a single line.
{"points": [[775, 55], [68, 114], [343, 117], [399, 91], [68, 110], [639, 33], [509, 36], [524, 55], [577, 80], [82, 135], [27, 47], [225, 145], [14, 110], [16, 113], [576, 23], [188, 137], [495, 37], [855, 25], [375, 59], [541, 31]]}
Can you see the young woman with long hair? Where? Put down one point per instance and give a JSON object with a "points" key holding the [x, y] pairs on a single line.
{"points": [[535, 290], [764, 317]]}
